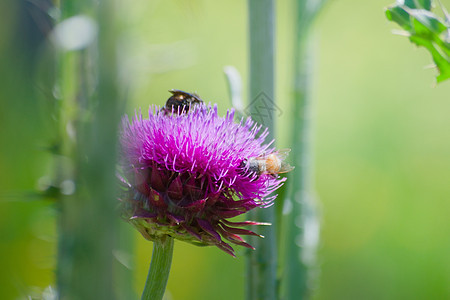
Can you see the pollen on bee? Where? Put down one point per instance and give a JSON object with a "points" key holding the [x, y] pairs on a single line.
{"points": [[273, 163]]}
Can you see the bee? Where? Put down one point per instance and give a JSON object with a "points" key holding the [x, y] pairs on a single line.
{"points": [[272, 164], [180, 101]]}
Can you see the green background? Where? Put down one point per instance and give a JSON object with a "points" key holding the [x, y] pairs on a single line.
{"points": [[381, 145]]}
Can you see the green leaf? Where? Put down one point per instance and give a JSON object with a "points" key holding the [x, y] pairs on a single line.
{"points": [[425, 4], [441, 60], [400, 16], [425, 29], [426, 22]]}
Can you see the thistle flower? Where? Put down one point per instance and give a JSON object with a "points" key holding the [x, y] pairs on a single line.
{"points": [[185, 175]]}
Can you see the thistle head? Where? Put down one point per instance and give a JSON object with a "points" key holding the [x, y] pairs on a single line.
{"points": [[184, 175]]}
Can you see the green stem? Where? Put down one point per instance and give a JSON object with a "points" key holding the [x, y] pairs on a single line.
{"points": [[158, 274], [262, 263], [295, 269], [88, 220]]}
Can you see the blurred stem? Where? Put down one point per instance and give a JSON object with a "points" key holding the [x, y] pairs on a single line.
{"points": [[295, 271], [125, 263], [158, 274], [88, 227], [262, 263]]}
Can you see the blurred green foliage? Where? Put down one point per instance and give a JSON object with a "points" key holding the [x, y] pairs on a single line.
{"points": [[27, 234], [425, 29], [381, 144]]}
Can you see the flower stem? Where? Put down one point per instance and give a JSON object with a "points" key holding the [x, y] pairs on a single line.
{"points": [[158, 274]]}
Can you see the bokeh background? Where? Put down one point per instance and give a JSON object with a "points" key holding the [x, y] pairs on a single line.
{"points": [[381, 141]]}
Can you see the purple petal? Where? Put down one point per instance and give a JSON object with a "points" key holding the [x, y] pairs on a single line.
{"points": [[157, 180], [175, 190], [245, 223], [143, 214], [175, 218], [196, 206], [191, 231], [156, 199], [227, 248], [206, 226], [239, 230]]}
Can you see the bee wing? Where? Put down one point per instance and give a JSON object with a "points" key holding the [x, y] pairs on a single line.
{"points": [[285, 167], [283, 153], [197, 97]]}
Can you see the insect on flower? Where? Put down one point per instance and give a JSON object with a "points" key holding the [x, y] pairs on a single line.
{"points": [[273, 164], [184, 176], [181, 101]]}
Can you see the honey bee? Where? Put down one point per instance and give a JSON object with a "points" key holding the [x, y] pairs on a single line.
{"points": [[180, 101], [272, 164]]}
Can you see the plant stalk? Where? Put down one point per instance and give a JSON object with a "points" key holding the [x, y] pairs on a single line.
{"points": [[299, 253], [262, 263], [159, 270], [295, 270], [88, 220]]}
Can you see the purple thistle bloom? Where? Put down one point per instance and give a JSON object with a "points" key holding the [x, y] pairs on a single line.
{"points": [[186, 176]]}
